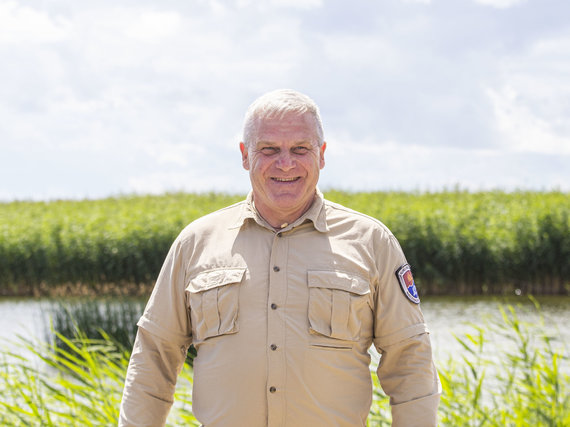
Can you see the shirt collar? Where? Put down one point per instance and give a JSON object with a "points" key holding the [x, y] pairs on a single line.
{"points": [[316, 214]]}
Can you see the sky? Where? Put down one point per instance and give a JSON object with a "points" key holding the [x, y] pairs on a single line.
{"points": [[117, 97]]}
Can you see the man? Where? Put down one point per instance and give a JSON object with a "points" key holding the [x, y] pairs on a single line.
{"points": [[282, 295]]}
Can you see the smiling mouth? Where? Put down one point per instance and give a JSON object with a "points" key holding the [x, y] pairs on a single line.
{"points": [[285, 179]]}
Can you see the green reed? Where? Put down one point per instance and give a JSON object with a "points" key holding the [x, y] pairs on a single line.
{"points": [[79, 385], [457, 242], [524, 381], [478, 243], [96, 318], [116, 241]]}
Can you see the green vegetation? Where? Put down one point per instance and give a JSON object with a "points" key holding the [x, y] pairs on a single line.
{"points": [[79, 384], [527, 383], [457, 242], [94, 318], [118, 241], [524, 383], [478, 243], [107, 319]]}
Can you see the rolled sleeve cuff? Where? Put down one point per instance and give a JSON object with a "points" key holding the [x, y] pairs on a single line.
{"points": [[420, 412], [165, 334], [401, 335]]}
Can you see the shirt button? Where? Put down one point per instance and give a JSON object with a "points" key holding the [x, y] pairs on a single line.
{"points": [[272, 389], [273, 347], [279, 234], [276, 269], [273, 306]]}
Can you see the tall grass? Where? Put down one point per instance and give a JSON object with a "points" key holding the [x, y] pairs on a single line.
{"points": [[524, 382], [79, 385], [457, 242], [478, 243], [95, 318], [116, 241]]}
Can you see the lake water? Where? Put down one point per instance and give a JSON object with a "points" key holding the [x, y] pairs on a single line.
{"points": [[446, 317]]}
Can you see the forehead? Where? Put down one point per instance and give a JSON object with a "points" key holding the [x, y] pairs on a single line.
{"points": [[287, 128]]}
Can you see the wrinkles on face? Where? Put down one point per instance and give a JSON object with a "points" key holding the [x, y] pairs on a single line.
{"points": [[284, 163]]}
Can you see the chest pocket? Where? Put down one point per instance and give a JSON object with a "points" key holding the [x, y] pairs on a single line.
{"points": [[214, 299], [338, 303]]}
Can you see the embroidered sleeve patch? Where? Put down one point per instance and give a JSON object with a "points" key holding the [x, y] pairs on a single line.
{"points": [[406, 280]]}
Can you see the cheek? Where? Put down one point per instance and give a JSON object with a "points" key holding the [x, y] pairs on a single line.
{"points": [[257, 166]]}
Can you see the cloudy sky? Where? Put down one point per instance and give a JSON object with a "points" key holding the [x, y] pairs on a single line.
{"points": [[116, 97]]}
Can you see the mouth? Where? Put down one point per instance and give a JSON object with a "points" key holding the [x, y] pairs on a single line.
{"points": [[286, 179]]}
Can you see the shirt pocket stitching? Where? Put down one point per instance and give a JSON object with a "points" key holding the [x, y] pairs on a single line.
{"points": [[214, 302], [336, 299]]}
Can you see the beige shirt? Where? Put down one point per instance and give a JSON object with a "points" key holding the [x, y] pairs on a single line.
{"points": [[282, 322]]}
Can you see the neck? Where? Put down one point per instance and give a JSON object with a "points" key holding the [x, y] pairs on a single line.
{"points": [[279, 220]]}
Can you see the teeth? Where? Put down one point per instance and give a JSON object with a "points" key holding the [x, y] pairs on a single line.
{"points": [[284, 179]]}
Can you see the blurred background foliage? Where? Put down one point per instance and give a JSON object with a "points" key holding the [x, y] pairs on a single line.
{"points": [[457, 242]]}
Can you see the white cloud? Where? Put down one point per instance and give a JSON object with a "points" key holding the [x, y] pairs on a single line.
{"points": [[532, 104], [418, 1], [166, 153], [370, 165], [160, 182], [154, 26], [22, 24], [522, 129], [362, 50], [153, 96], [500, 4], [298, 4]]}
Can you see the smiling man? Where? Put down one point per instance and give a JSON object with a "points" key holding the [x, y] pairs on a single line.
{"points": [[283, 159], [282, 295]]}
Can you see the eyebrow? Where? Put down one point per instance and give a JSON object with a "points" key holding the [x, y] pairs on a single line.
{"points": [[271, 143]]}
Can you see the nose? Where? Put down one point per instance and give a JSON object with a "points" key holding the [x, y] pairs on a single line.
{"points": [[285, 161]]}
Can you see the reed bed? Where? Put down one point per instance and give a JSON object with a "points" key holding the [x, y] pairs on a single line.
{"points": [[93, 318], [110, 319], [457, 242], [77, 384], [525, 382]]}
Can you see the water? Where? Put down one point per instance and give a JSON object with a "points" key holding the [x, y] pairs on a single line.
{"points": [[454, 317], [21, 317], [446, 317]]}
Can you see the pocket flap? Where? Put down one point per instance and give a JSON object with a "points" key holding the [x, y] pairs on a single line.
{"points": [[215, 278], [338, 280]]}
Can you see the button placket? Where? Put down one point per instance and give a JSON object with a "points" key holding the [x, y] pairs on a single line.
{"points": [[277, 296]]}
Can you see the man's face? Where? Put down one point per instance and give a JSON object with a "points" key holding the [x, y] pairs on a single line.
{"points": [[283, 163]]}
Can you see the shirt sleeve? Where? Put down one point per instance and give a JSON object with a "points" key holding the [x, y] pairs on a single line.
{"points": [[150, 381], [166, 314], [406, 370], [160, 348], [407, 374]]}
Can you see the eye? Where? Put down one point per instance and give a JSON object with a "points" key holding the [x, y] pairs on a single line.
{"points": [[301, 150], [268, 151]]}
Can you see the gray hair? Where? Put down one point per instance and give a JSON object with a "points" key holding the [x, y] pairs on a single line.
{"points": [[279, 103]]}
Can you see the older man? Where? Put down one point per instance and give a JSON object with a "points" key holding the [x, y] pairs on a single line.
{"points": [[282, 295]]}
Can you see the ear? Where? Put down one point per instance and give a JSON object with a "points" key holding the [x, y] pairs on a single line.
{"points": [[244, 158], [322, 149]]}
